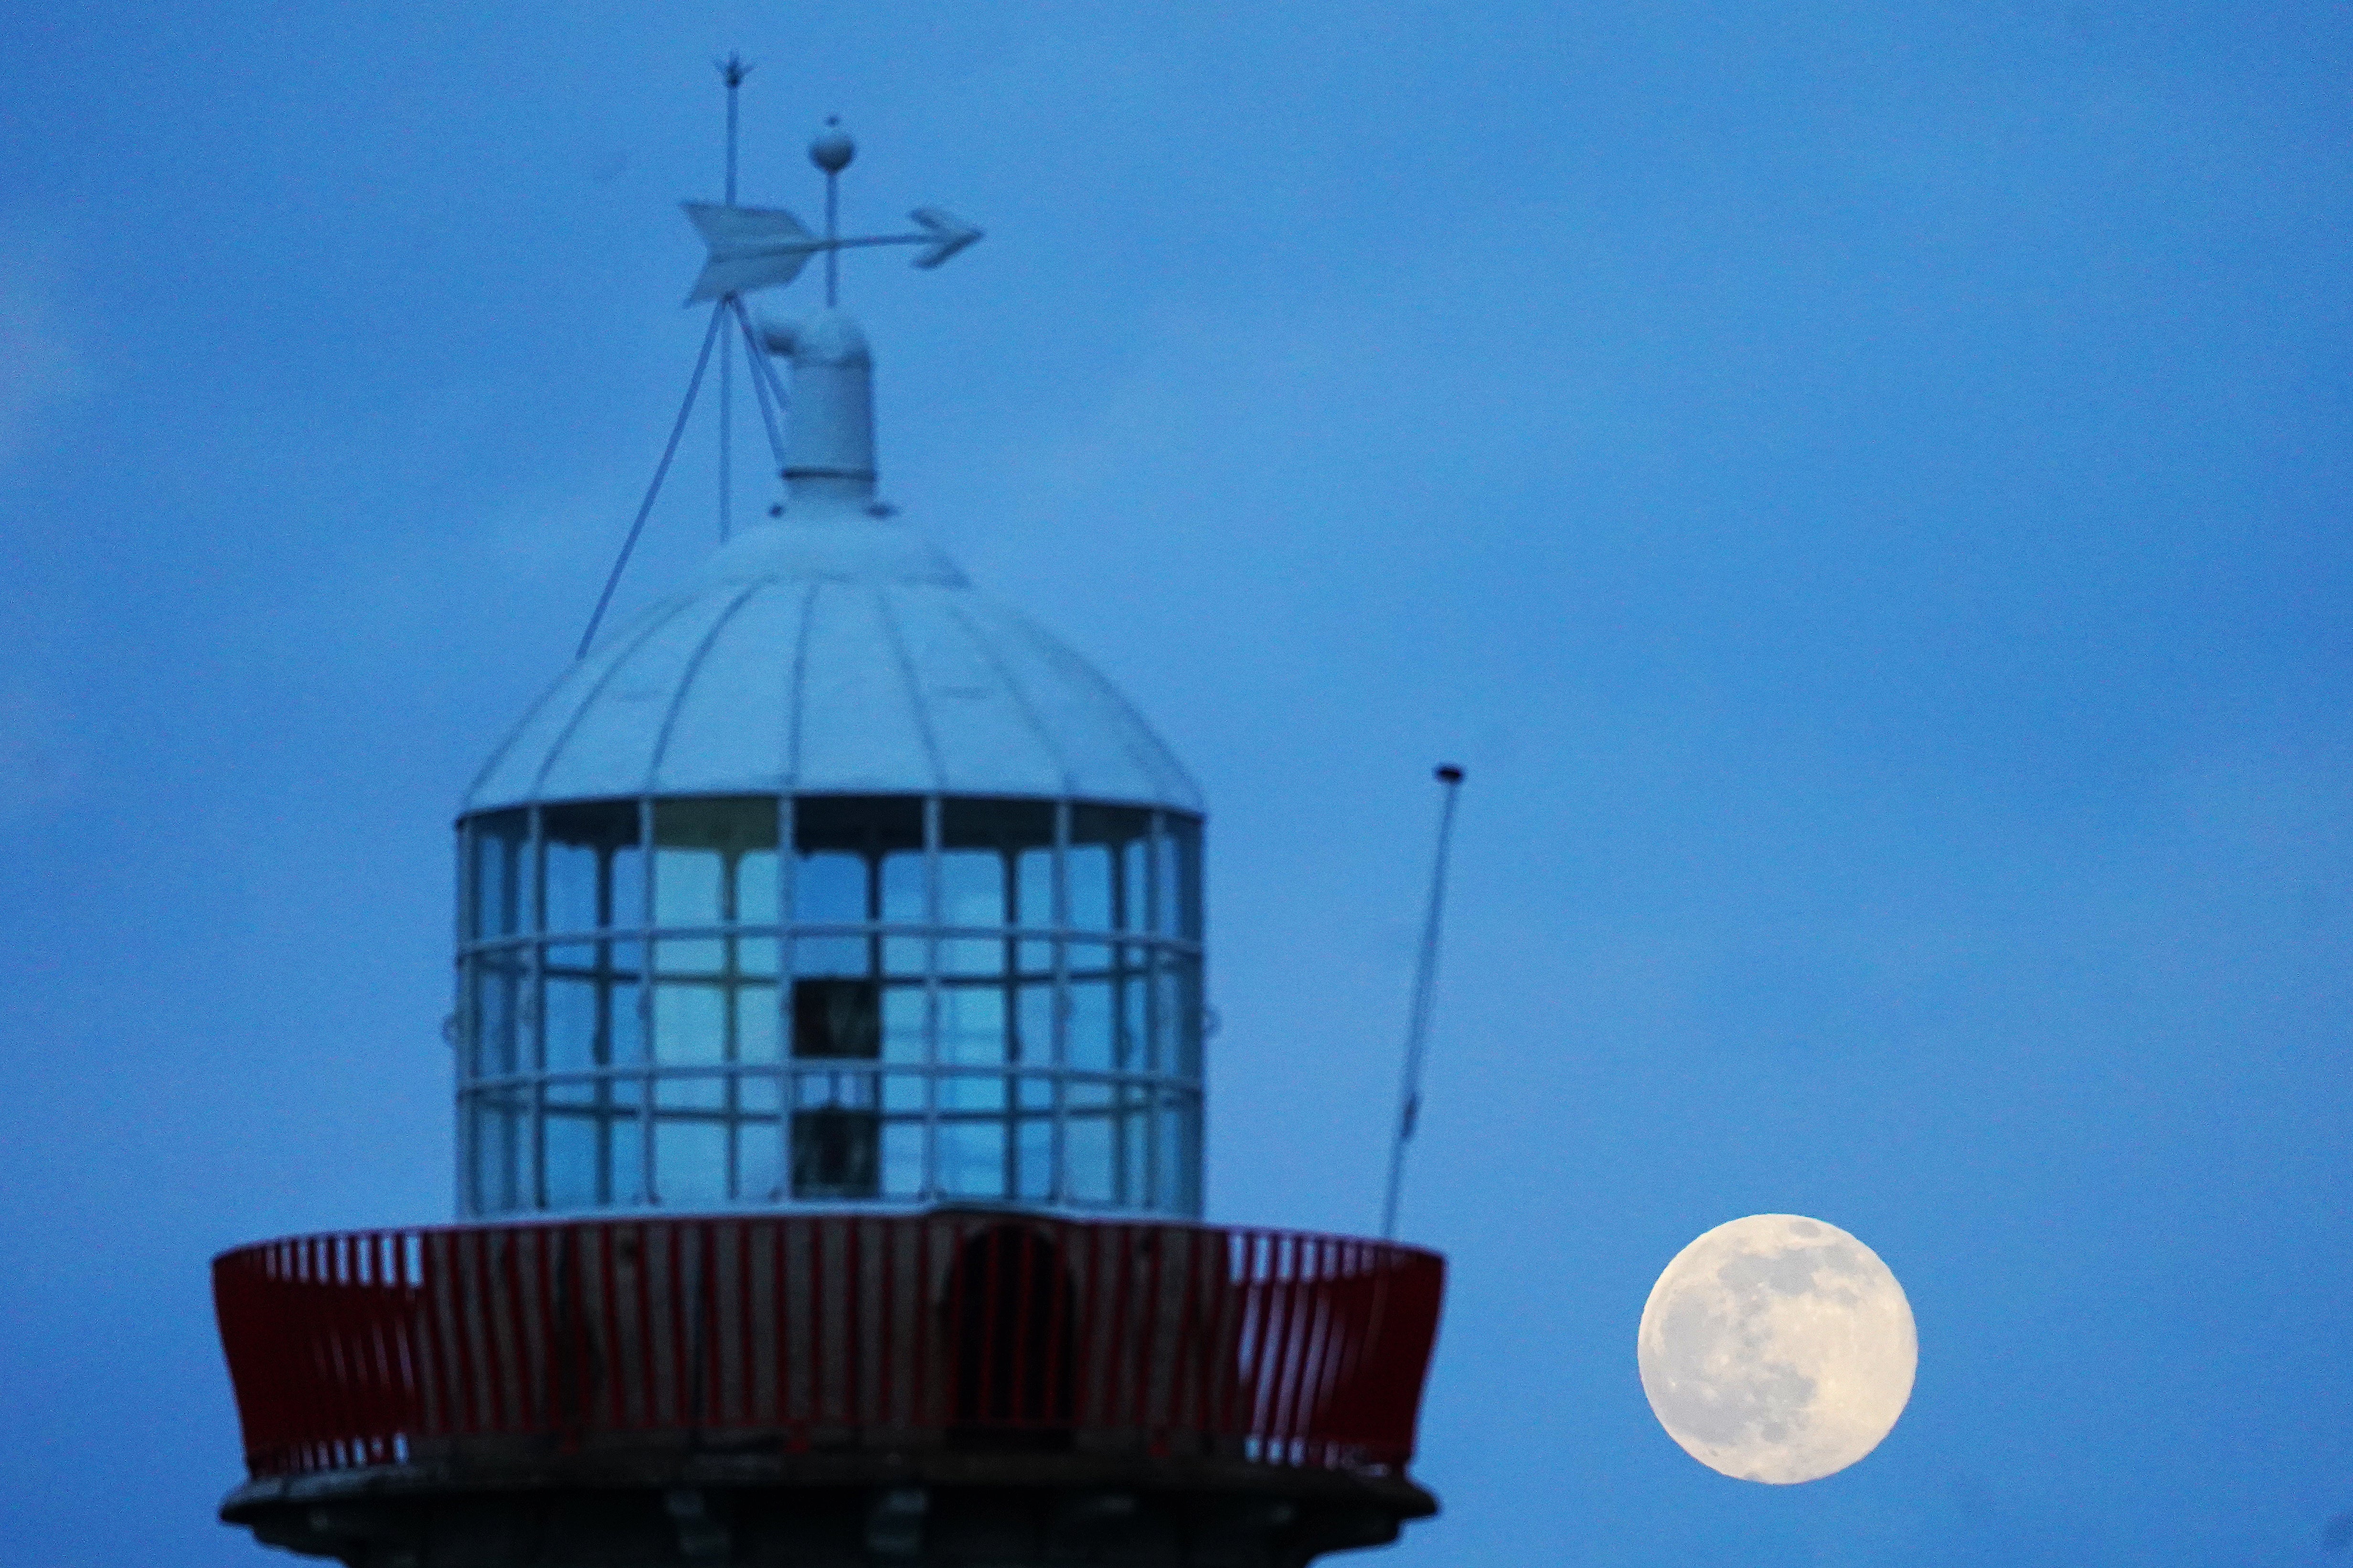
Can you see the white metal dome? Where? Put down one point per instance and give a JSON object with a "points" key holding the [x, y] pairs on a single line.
{"points": [[833, 652], [837, 654]]}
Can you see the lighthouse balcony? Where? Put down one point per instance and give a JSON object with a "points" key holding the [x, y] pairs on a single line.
{"points": [[847, 1355]]}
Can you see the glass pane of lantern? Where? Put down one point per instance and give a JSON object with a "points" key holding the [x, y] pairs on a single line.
{"points": [[497, 880], [906, 1024], [1177, 1182], [1033, 1023], [625, 1143], [1088, 875], [1034, 1157], [499, 1151], [570, 1152], [1181, 887], [836, 1018], [1088, 1168], [690, 1161], [1088, 1024], [1136, 1146], [759, 1148], [971, 1158], [624, 1020], [1181, 1017], [981, 844], [592, 869], [569, 997], [756, 1023], [757, 898], [873, 843], [1134, 885], [903, 1158], [836, 1153], [689, 1031], [971, 1092], [972, 956], [829, 888], [903, 897], [715, 860], [1033, 888], [972, 888], [1134, 1008], [833, 955], [1105, 854], [972, 1024], [496, 1011]]}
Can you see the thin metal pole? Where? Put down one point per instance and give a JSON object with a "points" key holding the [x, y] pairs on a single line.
{"points": [[1425, 981], [731, 70], [833, 239]]}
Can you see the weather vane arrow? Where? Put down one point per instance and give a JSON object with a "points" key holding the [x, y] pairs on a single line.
{"points": [[761, 246]]}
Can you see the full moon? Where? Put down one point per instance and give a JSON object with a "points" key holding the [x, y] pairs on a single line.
{"points": [[1777, 1349]]}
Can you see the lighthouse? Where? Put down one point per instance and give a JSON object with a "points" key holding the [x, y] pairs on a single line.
{"points": [[830, 1087]]}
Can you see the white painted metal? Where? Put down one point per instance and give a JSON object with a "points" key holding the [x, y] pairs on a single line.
{"points": [[761, 247], [833, 650]]}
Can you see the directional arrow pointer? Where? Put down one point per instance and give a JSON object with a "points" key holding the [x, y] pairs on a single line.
{"points": [[760, 248]]}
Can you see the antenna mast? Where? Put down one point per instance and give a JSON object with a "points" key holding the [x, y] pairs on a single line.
{"points": [[1425, 981], [731, 70]]}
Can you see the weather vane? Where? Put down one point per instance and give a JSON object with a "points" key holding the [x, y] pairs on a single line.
{"points": [[761, 247]]}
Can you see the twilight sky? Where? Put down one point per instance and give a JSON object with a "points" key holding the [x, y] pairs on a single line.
{"points": [[1860, 487]]}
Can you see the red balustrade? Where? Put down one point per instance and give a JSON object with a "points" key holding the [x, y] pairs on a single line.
{"points": [[830, 1330]]}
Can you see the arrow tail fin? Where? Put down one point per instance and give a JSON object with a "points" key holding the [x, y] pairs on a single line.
{"points": [[750, 248]]}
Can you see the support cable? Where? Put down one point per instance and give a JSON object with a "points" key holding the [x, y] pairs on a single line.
{"points": [[727, 438], [775, 383], [755, 354], [661, 471], [1425, 983]]}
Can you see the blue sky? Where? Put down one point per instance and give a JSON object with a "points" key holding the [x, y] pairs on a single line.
{"points": [[1860, 487]]}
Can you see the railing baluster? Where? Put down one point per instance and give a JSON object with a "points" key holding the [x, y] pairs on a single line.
{"points": [[346, 1348]]}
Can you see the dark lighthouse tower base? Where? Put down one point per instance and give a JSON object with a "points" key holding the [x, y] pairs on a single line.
{"points": [[947, 1388]]}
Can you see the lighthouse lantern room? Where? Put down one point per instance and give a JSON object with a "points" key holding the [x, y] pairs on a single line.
{"points": [[829, 879]]}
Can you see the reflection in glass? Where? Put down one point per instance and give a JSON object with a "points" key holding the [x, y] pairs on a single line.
{"points": [[836, 1018], [691, 1161], [1087, 1017], [972, 1024], [971, 1158], [836, 1154], [571, 1159]]}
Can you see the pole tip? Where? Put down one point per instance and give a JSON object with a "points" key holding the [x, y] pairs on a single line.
{"points": [[1449, 774]]}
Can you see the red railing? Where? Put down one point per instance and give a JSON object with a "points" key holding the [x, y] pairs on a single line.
{"points": [[830, 1330]]}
